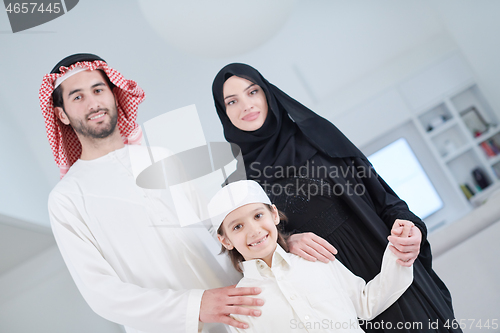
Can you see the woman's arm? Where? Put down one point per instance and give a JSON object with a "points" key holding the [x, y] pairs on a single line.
{"points": [[386, 202], [408, 243]]}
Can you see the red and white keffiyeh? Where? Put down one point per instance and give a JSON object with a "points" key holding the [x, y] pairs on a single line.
{"points": [[62, 138]]}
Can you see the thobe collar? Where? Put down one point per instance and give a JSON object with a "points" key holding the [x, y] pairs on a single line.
{"points": [[258, 269], [120, 153]]}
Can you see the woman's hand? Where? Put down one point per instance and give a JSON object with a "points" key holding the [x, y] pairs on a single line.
{"points": [[311, 247], [405, 238]]}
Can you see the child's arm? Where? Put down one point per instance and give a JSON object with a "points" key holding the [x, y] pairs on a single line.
{"points": [[372, 298]]}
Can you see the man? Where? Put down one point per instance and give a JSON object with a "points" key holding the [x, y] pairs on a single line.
{"points": [[148, 279]]}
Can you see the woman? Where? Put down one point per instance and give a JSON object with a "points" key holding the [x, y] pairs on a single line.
{"points": [[326, 186]]}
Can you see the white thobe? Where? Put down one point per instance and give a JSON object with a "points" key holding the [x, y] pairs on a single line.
{"points": [[126, 252], [304, 296]]}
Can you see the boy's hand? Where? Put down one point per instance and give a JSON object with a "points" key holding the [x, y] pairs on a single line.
{"points": [[218, 304]]}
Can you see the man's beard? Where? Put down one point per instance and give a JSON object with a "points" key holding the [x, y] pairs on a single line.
{"points": [[96, 133]]}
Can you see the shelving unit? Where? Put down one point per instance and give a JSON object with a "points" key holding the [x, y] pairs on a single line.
{"points": [[463, 133]]}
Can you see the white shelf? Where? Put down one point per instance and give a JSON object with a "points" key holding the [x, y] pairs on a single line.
{"points": [[480, 197], [457, 153], [447, 125], [468, 155], [487, 135], [494, 160]]}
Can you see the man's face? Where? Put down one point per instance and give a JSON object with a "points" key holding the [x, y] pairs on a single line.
{"points": [[89, 105]]}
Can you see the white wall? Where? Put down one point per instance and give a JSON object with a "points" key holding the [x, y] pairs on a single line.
{"points": [[474, 27], [23, 190], [40, 296], [471, 273]]}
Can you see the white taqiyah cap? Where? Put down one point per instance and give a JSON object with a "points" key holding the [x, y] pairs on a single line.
{"points": [[233, 196]]}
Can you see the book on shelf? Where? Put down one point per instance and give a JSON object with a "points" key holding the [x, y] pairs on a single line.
{"points": [[494, 146], [467, 191], [490, 148], [470, 189]]}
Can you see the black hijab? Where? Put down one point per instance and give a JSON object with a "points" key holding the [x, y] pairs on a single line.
{"points": [[290, 135]]}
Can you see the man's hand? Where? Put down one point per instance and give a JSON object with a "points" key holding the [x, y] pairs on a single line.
{"points": [[218, 304], [405, 238], [311, 247]]}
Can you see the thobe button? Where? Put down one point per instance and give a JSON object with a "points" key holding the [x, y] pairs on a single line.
{"points": [[293, 297], [306, 317]]}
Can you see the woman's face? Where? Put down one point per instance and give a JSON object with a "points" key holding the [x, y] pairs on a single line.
{"points": [[246, 104]]}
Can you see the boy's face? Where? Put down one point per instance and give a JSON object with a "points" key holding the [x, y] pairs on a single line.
{"points": [[251, 229]]}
